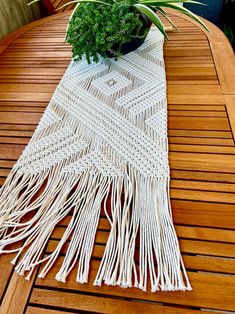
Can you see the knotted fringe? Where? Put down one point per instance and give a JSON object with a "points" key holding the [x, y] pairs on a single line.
{"points": [[142, 240], [101, 145]]}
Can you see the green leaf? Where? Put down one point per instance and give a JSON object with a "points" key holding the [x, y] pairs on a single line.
{"points": [[152, 16], [162, 12], [161, 2], [229, 33], [80, 1], [33, 2], [186, 12], [72, 14]]}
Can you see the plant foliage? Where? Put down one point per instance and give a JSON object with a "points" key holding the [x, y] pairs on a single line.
{"points": [[102, 27], [97, 29]]}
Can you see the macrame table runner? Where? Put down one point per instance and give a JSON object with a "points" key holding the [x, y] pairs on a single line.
{"points": [[101, 145]]}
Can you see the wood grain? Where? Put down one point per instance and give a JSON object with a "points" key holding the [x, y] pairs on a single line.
{"points": [[206, 292], [200, 70], [96, 304]]}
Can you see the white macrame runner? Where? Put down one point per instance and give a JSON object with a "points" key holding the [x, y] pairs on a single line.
{"points": [[100, 145]]}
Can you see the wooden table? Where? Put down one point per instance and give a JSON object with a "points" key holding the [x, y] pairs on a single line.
{"points": [[201, 96]]}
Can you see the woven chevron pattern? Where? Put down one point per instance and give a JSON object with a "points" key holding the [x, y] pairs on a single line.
{"points": [[101, 143]]}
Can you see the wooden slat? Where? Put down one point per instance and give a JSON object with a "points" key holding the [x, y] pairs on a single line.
{"points": [[6, 270], [2, 181], [203, 176], [28, 118], [193, 123], [210, 264], [6, 163], [19, 291], [20, 96], [23, 104], [31, 88], [4, 172], [96, 304], [14, 140], [201, 141], [202, 162], [12, 152], [206, 196], [202, 149], [17, 127], [206, 292], [206, 186], [201, 136], [193, 90], [39, 310], [217, 215], [198, 108]]}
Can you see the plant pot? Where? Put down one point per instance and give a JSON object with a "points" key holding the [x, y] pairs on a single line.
{"points": [[210, 11], [134, 43]]}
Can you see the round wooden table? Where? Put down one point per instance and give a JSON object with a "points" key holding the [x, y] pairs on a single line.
{"points": [[201, 101]]}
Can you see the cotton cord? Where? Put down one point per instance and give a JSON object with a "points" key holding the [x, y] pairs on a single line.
{"points": [[101, 144]]}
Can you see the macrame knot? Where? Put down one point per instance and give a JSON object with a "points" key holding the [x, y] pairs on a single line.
{"points": [[100, 149]]}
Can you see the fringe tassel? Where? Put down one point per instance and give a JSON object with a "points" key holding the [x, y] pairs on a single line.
{"points": [[158, 253], [99, 146], [142, 240]]}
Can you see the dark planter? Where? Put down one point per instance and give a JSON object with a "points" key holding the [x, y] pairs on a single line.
{"points": [[134, 43], [211, 12]]}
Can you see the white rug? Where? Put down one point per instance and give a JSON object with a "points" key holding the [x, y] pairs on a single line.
{"points": [[101, 144]]}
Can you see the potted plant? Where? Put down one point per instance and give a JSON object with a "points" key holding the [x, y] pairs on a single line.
{"points": [[110, 28]]}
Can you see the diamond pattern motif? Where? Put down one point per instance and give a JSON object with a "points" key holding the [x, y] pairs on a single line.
{"points": [[104, 134], [111, 83]]}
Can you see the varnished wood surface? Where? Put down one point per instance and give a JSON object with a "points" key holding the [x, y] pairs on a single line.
{"points": [[201, 108]]}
